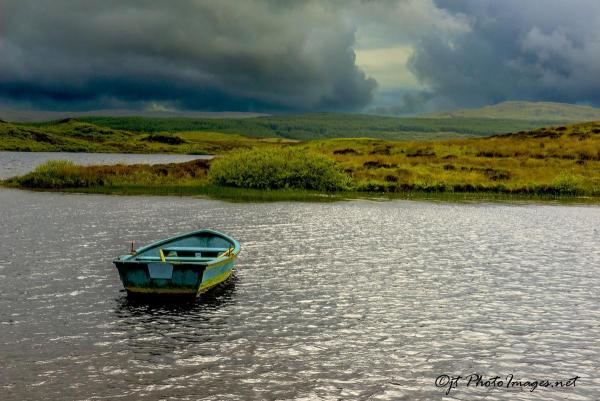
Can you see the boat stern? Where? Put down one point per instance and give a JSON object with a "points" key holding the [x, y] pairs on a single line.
{"points": [[159, 277]]}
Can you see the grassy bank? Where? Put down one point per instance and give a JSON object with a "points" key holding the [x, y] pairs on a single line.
{"points": [[553, 161], [179, 179], [559, 162]]}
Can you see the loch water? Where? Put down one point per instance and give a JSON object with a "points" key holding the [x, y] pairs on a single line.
{"points": [[353, 300]]}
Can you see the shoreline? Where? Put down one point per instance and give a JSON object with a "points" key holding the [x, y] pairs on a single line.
{"points": [[232, 194]]}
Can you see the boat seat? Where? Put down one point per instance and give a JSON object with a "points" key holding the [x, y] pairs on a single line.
{"points": [[173, 259], [192, 249]]}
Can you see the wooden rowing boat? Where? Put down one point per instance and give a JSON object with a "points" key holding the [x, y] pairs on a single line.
{"points": [[187, 264]]}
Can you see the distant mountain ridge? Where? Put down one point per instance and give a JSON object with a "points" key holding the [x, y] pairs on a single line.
{"points": [[522, 110], [30, 116]]}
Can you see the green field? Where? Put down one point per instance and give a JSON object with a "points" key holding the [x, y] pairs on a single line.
{"points": [[210, 136], [559, 162], [294, 155], [326, 125], [78, 136], [563, 160]]}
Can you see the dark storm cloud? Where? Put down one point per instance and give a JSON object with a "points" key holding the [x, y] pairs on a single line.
{"points": [[514, 49], [213, 55], [270, 55]]}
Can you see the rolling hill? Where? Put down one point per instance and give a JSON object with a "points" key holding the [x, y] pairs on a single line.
{"points": [[143, 134], [532, 111], [326, 125], [215, 135]]}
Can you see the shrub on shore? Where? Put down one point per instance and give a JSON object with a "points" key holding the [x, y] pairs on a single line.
{"points": [[166, 139], [278, 168], [568, 184]]}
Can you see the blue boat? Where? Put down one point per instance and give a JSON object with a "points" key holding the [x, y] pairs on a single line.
{"points": [[188, 264]]}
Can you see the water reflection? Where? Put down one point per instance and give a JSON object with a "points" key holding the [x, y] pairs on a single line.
{"points": [[157, 335], [141, 306]]}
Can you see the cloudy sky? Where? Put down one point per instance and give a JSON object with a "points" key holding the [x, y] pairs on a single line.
{"points": [[384, 56]]}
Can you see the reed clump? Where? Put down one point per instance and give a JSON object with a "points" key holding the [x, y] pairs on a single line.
{"points": [[63, 174], [57, 174]]}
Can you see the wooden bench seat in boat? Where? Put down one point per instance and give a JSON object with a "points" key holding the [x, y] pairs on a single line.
{"points": [[192, 249], [173, 259]]}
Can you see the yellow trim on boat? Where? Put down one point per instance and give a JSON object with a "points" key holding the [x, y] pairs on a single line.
{"points": [[161, 290], [228, 252], [208, 284], [224, 262]]}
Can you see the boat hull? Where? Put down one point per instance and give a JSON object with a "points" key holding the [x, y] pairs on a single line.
{"points": [[186, 280]]}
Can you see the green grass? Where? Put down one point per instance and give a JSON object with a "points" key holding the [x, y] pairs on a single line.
{"points": [[549, 161], [61, 174], [215, 136], [77, 136], [546, 163]]}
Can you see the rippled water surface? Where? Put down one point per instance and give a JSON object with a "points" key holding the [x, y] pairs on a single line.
{"points": [[354, 300], [16, 163]]}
